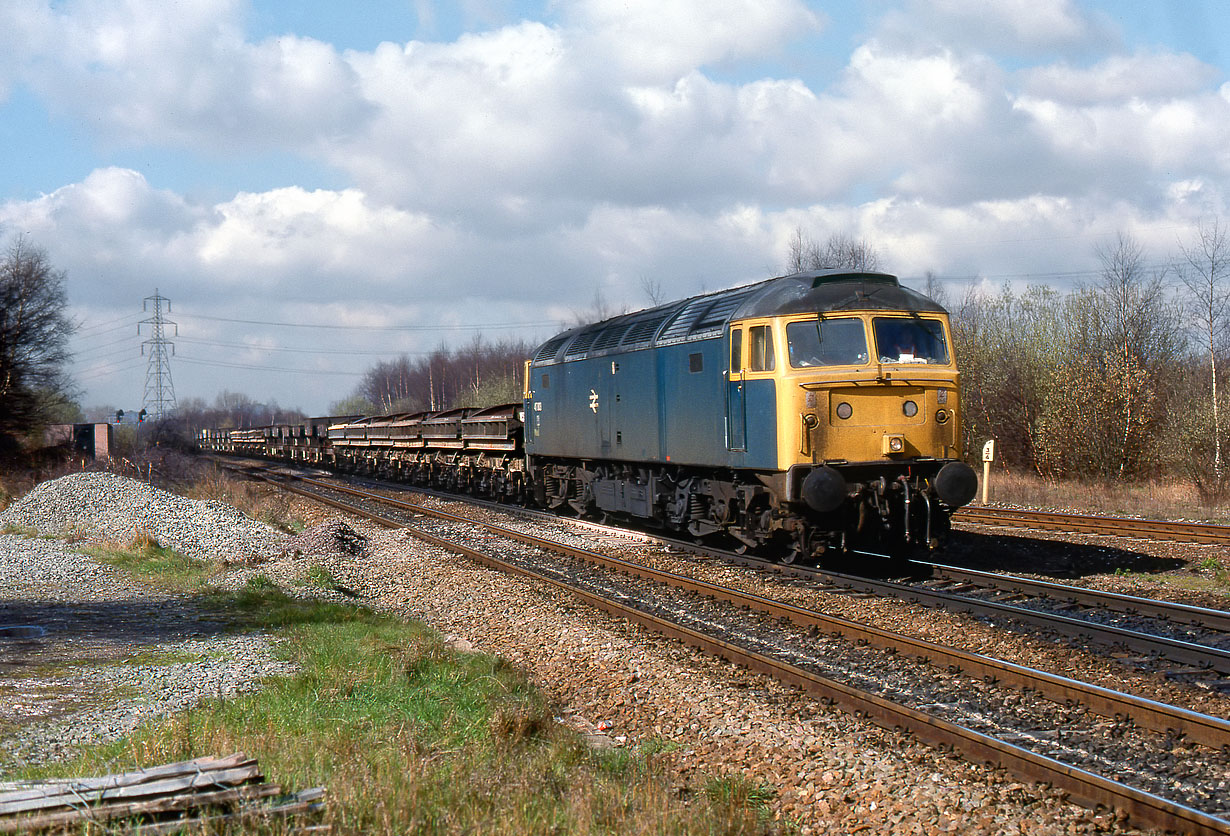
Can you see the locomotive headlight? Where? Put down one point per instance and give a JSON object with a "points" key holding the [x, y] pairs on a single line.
{"points": [[893, 444], [910, 409], [844, 410], [941, 416]]}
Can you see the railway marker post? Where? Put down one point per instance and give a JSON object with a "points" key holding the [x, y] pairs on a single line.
{"points": [[988, 456]]}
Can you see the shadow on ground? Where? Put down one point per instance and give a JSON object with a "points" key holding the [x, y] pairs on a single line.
{"points": [[1022, 554]]}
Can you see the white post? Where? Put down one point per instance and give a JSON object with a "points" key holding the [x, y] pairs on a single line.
{"points": [[988, 456]]}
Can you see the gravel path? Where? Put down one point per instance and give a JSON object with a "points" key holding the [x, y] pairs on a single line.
{"points": [[103, 654]]}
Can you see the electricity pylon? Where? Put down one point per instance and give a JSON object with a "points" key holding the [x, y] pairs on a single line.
{"points": [[159, 399]]}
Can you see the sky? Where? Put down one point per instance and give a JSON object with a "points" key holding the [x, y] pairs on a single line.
{"points": [[317, 186]]}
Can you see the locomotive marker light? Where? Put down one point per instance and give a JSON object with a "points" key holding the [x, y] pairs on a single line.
{"points": [[988, 456]]}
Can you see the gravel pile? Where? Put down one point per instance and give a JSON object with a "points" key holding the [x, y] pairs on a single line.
{"points": [[331, 538], [104, 506]]}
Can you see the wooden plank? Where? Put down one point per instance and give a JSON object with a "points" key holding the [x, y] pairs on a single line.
{"points": [[227, 788], [19, 790], [307, 801], [125, 810], [73, 797]]}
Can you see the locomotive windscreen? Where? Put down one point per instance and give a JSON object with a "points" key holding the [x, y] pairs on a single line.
{"points": [[900, 340]]}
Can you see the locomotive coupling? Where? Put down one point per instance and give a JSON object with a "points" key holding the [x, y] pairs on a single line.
{"points": [[825, 489], [955, 484]]}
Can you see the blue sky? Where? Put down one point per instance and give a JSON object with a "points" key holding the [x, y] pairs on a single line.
{"points": [[423, 168]]}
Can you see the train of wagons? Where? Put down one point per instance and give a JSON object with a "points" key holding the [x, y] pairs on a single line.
{"points": [[809, 415]]}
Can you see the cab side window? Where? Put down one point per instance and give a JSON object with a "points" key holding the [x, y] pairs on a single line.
{"points": [[760, 345], [736, 350]]}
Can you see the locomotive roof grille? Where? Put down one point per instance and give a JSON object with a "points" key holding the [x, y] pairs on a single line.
{"points": [[550, 349], [610, 336], [641, 332], [705, 317], [581, 344], [683, 321]]}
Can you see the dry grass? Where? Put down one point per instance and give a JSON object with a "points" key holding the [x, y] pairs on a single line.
{"points": [[257, 500], [1157, 499]]}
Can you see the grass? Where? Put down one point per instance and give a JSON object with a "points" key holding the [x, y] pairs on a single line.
{"points": [[411, 736], [154, 564], [1154, 499], [321, 578]]}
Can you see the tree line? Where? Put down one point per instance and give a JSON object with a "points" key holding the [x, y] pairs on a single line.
{"points": [[35, 327], [1121, 378], [480, 373]]}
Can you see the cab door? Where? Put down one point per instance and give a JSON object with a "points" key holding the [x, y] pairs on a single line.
{"points": [[736, 396]]}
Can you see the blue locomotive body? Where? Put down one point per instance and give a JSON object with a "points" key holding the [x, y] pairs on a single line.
{"points": [[774, 412], [668, 404]]}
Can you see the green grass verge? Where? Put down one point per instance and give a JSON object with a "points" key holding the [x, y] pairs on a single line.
{"points": [[410, 736], [156, 565]]}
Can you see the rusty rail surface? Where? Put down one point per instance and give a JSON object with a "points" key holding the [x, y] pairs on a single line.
{"points": [[1084, 786], [1169, 610], [1185, 532]]}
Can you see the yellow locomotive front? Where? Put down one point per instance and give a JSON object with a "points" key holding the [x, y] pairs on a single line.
{"points": [[871, 388], [868, 418]]}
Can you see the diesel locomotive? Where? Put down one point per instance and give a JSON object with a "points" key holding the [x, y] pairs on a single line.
{"points": [[806, 415]]}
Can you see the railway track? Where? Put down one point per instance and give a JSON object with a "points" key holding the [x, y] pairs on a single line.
{"points": [[1190, 644], [1209, 661], [787, 665], [1185, 532]]}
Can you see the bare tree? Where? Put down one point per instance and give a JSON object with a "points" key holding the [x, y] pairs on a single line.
{"points": [[34, 333], [839, 251], [935, 290], [652, 288], [803, 252], [842, 250], [480, 373], [1206, 273], [598, 310]]}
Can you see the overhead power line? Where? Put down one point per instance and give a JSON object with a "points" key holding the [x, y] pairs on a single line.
{"points": [[346, 351], [221, 365], [469, 327]]}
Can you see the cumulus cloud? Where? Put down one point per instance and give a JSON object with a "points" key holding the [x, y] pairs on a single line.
{"points": [[148, 72], [1017, 27], [1145, 76], [651, 41]]}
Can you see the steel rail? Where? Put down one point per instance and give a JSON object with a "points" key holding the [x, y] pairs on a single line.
{"points": [[1176, 650], [1168, 610], [1186, 532], [1084, 786], [1149, 714]]}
